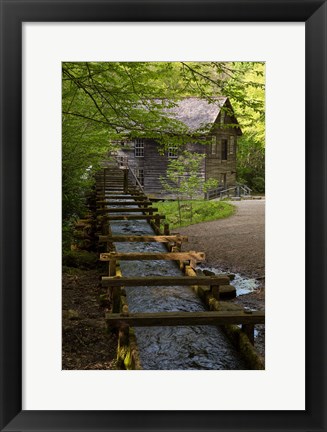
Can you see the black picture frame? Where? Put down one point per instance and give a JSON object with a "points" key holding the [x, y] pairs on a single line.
{"points": [[13, 14]]}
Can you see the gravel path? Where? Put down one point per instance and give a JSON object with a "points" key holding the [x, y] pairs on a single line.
{"points": [[237, 243]]}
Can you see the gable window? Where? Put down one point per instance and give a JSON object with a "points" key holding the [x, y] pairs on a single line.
{"points": [[222, 117], [172, 152], [231, 144], [139, 147], [224, 149], [140, 175]]}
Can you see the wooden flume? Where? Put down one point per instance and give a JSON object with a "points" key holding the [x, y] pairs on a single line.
{"points": [[119, 188]]}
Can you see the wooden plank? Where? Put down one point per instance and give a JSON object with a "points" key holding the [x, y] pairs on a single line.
{"points": [[115, 189], [172, 256], [137, 192], [143, 238], [125, 180], [108, 185], [111, 181], [117, 203], [127, 196], [165, 281], [185, 318], [131, 217], [126, 209]]}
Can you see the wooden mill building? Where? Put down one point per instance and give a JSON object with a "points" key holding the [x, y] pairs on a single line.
{"points": [[218, 143]]}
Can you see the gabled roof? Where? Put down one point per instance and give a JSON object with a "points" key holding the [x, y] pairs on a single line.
{"points": [[197, 113]]}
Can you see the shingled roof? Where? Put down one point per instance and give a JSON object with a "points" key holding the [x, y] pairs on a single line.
{"points": [[197, 113]]}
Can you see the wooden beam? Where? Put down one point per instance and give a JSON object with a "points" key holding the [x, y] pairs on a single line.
{"points": [[165, 281], [143, 238], [117, 203], [185, 318], [126, 209], [131, 217], [141, 256], [110, 181], [127, 196]]}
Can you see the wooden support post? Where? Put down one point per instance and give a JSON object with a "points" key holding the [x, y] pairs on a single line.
{"points": [[124, 305], [215, 291], [104, 227], [124, 335], [112, 272], [249, 331], [115, 299], [166, 229], [114, 292], [112, 267], [189, 271], [157, 222], [123, 345], [126, 180]]}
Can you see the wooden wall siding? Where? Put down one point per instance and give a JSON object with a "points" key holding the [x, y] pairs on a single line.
{"points": [[155, 165], [215, 168]]}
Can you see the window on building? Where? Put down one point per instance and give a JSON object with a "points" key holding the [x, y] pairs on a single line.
{"points": [[214, 146], [224, 149], [222, 117], [172, 152], [139, 148], [140, 175], [231, 144]]}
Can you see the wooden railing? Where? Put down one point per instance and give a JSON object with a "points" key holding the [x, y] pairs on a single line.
{"points": [[220, 192], [122, 162], [132, 176]]}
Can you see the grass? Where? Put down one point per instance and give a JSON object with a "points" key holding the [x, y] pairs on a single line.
{"points": [[201, 210]]}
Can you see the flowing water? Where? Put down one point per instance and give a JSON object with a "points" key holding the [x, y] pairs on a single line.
{"points": [[242, 284], [191, 347]]}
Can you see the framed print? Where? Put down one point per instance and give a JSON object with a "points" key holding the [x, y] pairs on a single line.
{"points": [[36, 38]]}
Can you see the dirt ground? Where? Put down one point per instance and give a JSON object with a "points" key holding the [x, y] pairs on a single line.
{"points": [[237, 245], [85, 341]]}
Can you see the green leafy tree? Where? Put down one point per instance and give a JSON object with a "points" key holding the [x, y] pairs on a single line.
{"points": [[184, 181], [247, 90], [103, 103]]}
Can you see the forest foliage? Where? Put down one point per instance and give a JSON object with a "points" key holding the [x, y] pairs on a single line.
{"points": [[103, 103]]}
